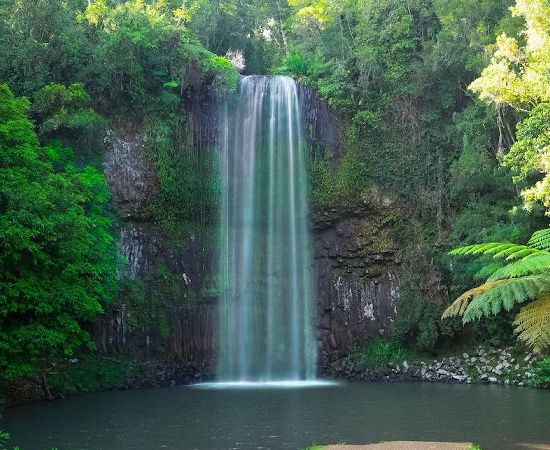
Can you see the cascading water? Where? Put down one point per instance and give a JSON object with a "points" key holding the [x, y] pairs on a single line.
{"points": [[266, 330]]}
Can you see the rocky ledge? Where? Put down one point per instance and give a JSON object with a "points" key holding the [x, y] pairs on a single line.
{"points": [[482, 365]]}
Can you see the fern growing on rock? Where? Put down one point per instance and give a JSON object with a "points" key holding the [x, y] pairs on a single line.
{"points": [[524, 279]]}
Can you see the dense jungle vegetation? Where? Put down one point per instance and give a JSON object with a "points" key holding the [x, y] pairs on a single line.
{"points": [[443, 104]]}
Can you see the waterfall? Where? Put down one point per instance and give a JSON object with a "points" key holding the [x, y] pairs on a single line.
{"points": [[266, 316]]}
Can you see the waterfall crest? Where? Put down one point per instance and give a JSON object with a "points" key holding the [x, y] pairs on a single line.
{"points": [[266, 326]]}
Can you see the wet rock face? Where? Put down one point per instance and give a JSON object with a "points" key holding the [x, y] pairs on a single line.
{"points": [[139, 243], [129, 175], [356, 271], [191, 338], [183, 324], [191, 321], [145, 248], [319, 123], [355, 259]]}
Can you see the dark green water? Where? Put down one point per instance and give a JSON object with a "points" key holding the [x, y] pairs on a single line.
{"points": [[495, 417]]}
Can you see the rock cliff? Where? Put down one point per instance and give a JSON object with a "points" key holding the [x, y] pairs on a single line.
{"points": [[355, 261]]}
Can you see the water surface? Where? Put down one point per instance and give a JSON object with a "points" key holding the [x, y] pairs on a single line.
{"points": [[496, 417]]}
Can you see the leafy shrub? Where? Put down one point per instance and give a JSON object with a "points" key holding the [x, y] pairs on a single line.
{"points": [[4, 438], [297, 65], [58, 261], [64, 110], [541, 373], [522, 279], [223, 73], [89, 373], [330, 186], [417, 324], [377, 352]]}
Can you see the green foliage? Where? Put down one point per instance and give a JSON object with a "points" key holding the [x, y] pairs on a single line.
{"points": [[540, 240], [147, 299], [4, 438], [523, 279], [143, 48], [253, 27], [41, 44], [61, 110], [296, 65], [331, 186], [475, 172], [505, 250], [58, 257], [377, 353], [126, 55], [189, 183], [126, 60], [223, 72], [517, 77], [89, 373], [528, 156], [416, 323], [541, 373], [517, 72]]}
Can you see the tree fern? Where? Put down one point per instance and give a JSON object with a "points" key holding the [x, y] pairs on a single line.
{"points": [[504, 250], [532, 323], [525, 278], [487, 270], [540, 240], [460, 305], [535, 264], [503, 294]]}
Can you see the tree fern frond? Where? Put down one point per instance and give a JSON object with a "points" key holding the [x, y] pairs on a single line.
{"points": [[540, 239], [503, 250], [515, 252], [523, 253], [474, 249], [525, 277], [487, 271], [459, 306], [533, 323], [530, 265], [504, 294]]}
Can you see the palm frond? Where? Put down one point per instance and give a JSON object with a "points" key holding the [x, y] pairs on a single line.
{"points": [[540, 239], [533, 323], [530, 265], [504, 294]]}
